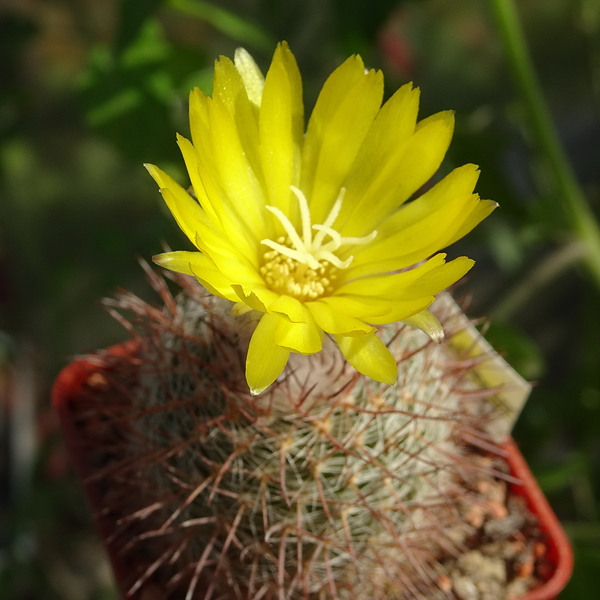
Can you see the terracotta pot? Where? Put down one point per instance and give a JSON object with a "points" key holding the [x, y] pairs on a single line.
{"points": [[83, 377]]}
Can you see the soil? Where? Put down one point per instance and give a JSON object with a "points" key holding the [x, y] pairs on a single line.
{"points": [[505, 552]]}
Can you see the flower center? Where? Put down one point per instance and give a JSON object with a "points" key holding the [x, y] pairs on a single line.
{"points": [[306, 267], [287, 275]]}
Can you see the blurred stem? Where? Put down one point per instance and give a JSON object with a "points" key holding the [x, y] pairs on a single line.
{"points": [[542, 274], [225, 21], [581, 219]]}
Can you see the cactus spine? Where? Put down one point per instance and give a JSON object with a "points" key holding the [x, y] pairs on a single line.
{"points": [[327, 485]]}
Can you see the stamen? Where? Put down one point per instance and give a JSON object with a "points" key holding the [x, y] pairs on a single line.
{"points": [[335, 210], [304, 214], [289, 229], [365, 239], [305, 267], [301, 257], [331, 217], [336, 238], [334, 260]]}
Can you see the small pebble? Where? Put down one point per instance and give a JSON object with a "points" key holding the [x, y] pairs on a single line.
{"points": [[525, 563], [525, 568], [465, 589], [497, 509], [504, 548], [503, 528], [444, 583], [514, 547], [511, 560], [496, 492], [494, 549], [475, 515], [490, 589], [481, 567], [517, 588], [483, 487]]}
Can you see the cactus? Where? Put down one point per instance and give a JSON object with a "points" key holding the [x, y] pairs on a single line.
{"points": [[327, 485]]}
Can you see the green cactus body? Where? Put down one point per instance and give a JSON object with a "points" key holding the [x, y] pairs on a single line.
{"points": [[327, 485]]}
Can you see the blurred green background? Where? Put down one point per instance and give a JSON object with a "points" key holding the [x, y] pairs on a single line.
{"points": [[91, 89]]}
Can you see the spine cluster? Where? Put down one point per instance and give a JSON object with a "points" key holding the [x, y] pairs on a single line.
{"points": [[328, 485]]}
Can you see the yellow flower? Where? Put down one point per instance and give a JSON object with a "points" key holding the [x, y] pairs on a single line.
{"points": [[309, 228]]}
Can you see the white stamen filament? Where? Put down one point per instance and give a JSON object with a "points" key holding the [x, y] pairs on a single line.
{"points": [[298, 255], [309, 250], [289, 228], [304, 214], [329, 221]]}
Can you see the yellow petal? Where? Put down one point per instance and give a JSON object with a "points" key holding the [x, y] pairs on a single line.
{"points": [[218, 206], [199, 123], [369, 356], [388, 285], [181, 261], [458, 183], [197, 156], [256, 297], [438, 279], [187, 212], [193, 222], [303, 337], [415, 242], [481, 211], [372, 200], [229, 221], [333, 143], [235, 267], [332, 95], [228, 84], [213, 280], [333, 321], [191, 164], [392, 127], [444, 115], [266, 360], [251, 300], [427, 322], [403, 309], [235, 262], [199, 266], [292, 308], [190, 157], [281, 125], [236, 179], [359, 307], [231, 91], [254, 80]]}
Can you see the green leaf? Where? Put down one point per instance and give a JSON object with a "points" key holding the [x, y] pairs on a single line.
{"points": [[130, 99], [133, 14]]}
